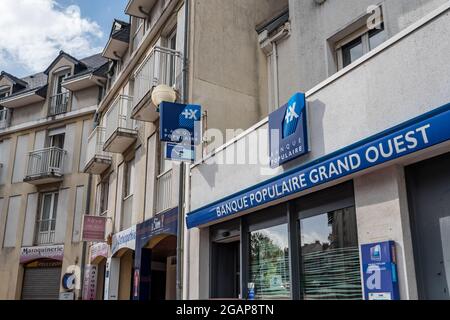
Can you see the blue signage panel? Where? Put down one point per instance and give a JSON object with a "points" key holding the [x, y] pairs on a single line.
{"points": [[380, 271], [180, 123], [179, 152], [415, 135], [288, 134]]}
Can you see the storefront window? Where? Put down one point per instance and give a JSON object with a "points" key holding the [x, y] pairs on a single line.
{"points": [[269, 263], [330, 256]]}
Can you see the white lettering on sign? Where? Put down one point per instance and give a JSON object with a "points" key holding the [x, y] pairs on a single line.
{"points": [[334, 169], [374, 280]]}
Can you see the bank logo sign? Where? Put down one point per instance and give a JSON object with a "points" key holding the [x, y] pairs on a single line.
{"points": [[288, 131], [180, 123]]}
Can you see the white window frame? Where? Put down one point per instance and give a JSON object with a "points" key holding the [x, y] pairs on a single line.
{"points": [[362, 33], [51, 232]]}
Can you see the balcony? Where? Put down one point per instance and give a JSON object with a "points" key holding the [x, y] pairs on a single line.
{"points": [[164, 199], [58, 104], [5, 118], [139, 8], [121, 131], [45, 166], [162, 66], [97, 160]]}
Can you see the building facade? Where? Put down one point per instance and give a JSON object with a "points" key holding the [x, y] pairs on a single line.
{"points": [[165, 43], [376, 169], [366, 163], [44, 129]]}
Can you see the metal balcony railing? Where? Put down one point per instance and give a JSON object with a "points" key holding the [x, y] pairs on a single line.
{"points": [[45, 231], [96, 141], [59, 104], [162, 66], [118, 116], [164, 199], [5, 118], [49, 161]]}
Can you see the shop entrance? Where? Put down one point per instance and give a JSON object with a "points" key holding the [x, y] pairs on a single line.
{"points": [[226, 261], [163, 269], [429, 199], [126, 274]]}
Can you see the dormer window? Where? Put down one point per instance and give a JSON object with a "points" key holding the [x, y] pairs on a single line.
{"points": [[60, 96], [4, 92]]}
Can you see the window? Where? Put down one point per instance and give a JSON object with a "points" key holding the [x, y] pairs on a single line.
{"points": [[359, 43], [4, 93], [46, 223], [330, 256], [59, 78], [171, 64], [164, 164], [127, 178], [56, 138], [269, 263], [104, 194]]}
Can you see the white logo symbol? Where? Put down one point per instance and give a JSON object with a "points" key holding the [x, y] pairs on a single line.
{"points": [[190, 114], [374, 280], [291, 115]]}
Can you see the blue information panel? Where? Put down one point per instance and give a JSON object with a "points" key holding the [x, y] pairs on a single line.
{"points": [[180, 123], [179, 152], [380, 271], [288, 131]]}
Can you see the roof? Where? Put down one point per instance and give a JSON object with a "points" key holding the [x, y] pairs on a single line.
{"points": [[14, 79], [275, 22], [121, 34], [39, 81]]}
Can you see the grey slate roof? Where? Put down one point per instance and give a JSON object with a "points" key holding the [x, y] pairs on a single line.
{"points": [[123, 34], [38, 82]]}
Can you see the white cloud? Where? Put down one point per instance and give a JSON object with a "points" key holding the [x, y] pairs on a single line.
{"points": [[34, 31]]}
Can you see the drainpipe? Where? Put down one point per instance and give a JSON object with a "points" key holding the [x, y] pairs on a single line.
{"points": [[181, 190], [83, 255]]}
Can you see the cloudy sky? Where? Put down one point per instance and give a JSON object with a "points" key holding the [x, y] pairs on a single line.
{"points": [[34, 31]]}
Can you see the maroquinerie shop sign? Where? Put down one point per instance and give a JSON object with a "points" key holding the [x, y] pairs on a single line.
{"points": [[29, 254]]}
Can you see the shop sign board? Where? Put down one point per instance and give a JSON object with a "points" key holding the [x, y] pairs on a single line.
{"points": [[165, 223], [28, 254], [380, 277], [416, 135], [94, 229], [124, 239], [99, 250], [90, 282], [288, 133], [180, 123]]}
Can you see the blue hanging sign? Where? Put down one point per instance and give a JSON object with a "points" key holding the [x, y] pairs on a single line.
{"points": [[288, 134], [179, 152], [380, 271], [180, 123], [410, 137]]}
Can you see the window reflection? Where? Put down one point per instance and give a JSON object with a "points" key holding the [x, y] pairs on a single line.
{"points": [[330, 256], [352, 51], [269, 263]]}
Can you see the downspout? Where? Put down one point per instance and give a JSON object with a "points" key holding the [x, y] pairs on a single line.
{"points": [[181, 204], [83, 256], [276, 92]]}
